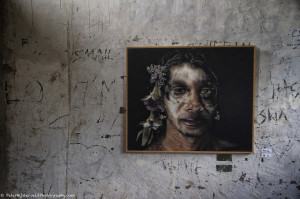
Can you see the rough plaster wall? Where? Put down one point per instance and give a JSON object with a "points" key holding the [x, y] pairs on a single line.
{"points": [[64, 82]]}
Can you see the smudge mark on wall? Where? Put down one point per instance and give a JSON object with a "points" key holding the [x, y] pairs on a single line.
{"points": [[109, 136], [242, 178], [24, 42], [106, 136], [188, 186], [224, 168], [54, 76], [191, 183], [136, 38], [200, 187]]}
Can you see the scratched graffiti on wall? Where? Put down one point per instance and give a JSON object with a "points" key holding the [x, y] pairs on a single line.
{"points": [[95, 54]]}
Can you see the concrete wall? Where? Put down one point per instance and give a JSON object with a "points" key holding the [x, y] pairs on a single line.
{"points": [[62, 86]]}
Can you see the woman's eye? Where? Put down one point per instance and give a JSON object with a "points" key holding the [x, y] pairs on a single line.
{"points": [[179, 91], [205, 91]]}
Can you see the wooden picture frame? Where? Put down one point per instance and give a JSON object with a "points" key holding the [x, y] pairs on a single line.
{"points": [[190, 99]]}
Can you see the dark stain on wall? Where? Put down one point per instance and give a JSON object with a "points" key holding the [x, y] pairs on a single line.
{"points": [[136, 38], [224, 168], [200, 187], [242, 178], [106, 136], [188, 186], [293, 182]]}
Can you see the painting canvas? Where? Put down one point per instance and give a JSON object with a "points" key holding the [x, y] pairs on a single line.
{"points": [[190, 99]]}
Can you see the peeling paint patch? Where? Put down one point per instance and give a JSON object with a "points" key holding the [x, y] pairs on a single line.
{"points": [[140, 162], [176, 187], [122, 110], [224, 157], [224, 168]]}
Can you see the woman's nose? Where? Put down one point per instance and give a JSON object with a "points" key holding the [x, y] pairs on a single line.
{"points": [[194, 102]]}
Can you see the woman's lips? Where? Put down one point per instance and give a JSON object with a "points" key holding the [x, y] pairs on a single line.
{"points": [[192, 122]]}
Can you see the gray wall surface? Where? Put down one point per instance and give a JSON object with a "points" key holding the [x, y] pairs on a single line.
{"points": [[63, 79]]}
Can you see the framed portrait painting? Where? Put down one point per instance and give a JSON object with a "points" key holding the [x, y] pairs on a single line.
{"points": [[190, 99]]}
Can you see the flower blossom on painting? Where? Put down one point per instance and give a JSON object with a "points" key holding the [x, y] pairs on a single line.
{"points": [[154, 104]]}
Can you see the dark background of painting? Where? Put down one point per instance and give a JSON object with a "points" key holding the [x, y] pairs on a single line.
{"points": [[233, 67]]}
